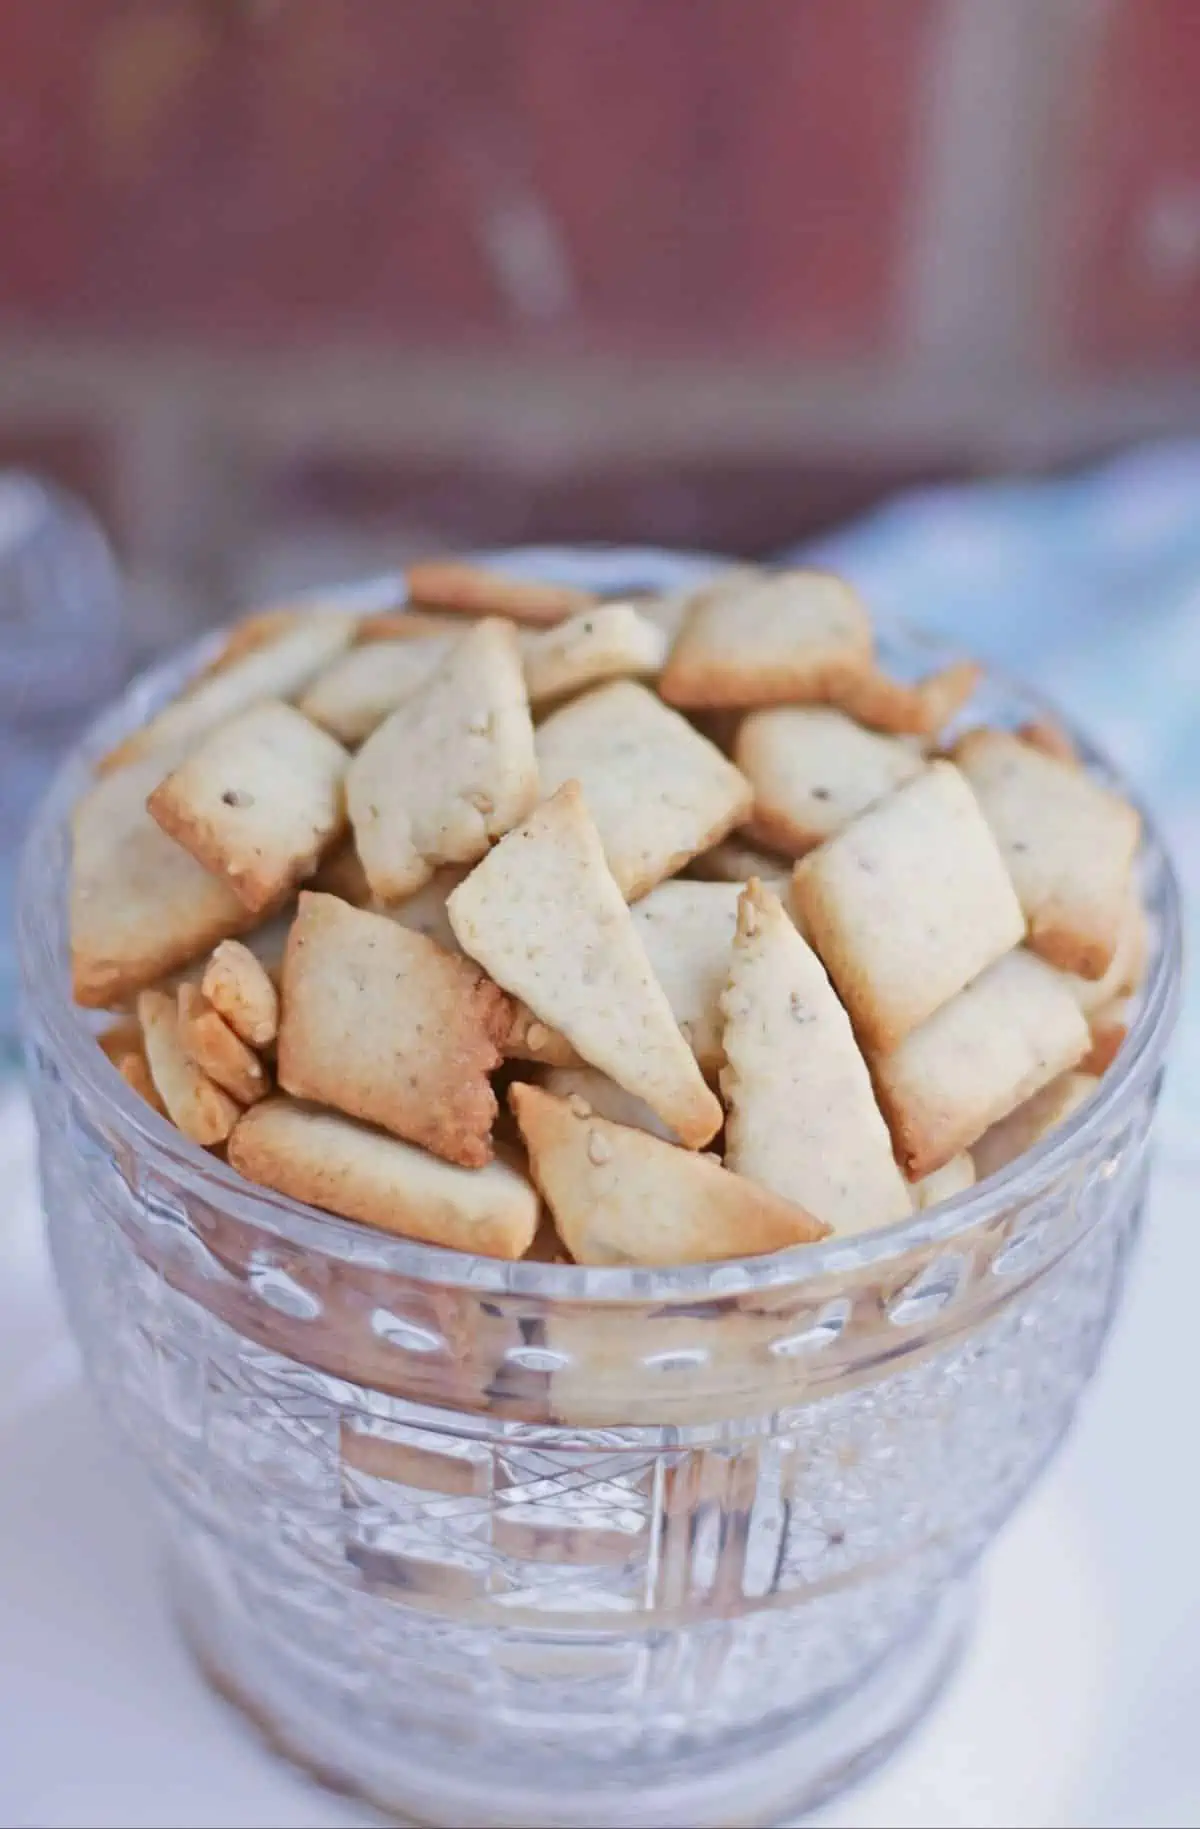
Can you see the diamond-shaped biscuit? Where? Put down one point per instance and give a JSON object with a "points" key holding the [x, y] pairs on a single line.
{"points": [[1069, 845], [659, 792], [381, 1023], [451, 769], [908, 904], [543, 915]]}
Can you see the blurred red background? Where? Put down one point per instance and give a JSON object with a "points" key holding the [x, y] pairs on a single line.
{"points": [[287, 288]]}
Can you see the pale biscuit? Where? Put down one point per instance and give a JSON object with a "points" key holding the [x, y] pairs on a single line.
{"points": [[1004, 1141], [907, 904], [346, 1168], [734, 861], [1006, 1036], [543, 914], [353, 696], [611, 641], [1127, 967], [922, 710], [802, 1117], [449, 770], [208, 1040], [258, 802], [380, 1023], [813, 770], [787, 638], [1068, 842], [588, 1087], [239, 987], [657, 790], [530, 1039], [687, 930], [120, 1038], [1051, 739], [472, 590], [620, 1196], [954, 1177], [276, 669], [406, 625], [134, 1069], [1109, 1027], [201, 1109], [141, 906]]}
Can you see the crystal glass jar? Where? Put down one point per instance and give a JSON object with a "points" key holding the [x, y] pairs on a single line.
{"points": [[528, 1544]]}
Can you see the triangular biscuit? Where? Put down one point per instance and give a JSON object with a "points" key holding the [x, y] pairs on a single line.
{"points": [[452, 768], [544, 916], [802, 1115], [621, 1196]]}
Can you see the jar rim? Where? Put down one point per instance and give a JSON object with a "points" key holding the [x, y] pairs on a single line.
{"points": [[63, 1027]]}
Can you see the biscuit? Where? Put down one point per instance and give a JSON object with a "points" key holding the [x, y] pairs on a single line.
{"points": [[275, 669], [1109, 1027], [802, 1117], [1010, 1137], [120, 1038], [586, 1086], [784, 638], [530, 1039], [657, 790], [813, 770], [954, 1177], [544, 916], [907, 904], [1011, 1032], [208, 1040], [449, 770], [134, 1069], [734, 861], [687, 930], [353, 696], [239, 987], [258, 801], [621, 1196], [1069, 845], [611, 641], [1051, 739], [141, 906], [406, 625], [200, 1108], [473, 590], [920, 710], [1127, 967], [380, 1023], [332, 1162]]}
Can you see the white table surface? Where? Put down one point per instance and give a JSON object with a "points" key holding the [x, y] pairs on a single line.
{"points": [[1075, 1705]]}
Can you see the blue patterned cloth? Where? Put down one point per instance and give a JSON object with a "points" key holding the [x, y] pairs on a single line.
{"points": [[1089, 587]]}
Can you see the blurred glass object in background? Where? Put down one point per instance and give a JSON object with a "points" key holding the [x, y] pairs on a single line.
{"points": [[64, 651]]}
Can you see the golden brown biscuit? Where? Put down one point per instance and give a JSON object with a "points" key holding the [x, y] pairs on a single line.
{"points": [[332, 1162], [258, 802], [381, 1023]]}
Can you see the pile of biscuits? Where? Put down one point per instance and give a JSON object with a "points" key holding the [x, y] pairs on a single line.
{"points": [[643, 932]]}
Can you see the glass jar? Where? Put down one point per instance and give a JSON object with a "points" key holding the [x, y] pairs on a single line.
{"points": [[530, 1544]]}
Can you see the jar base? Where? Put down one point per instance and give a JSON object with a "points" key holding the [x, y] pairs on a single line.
{"points": [[772, 1780]]}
